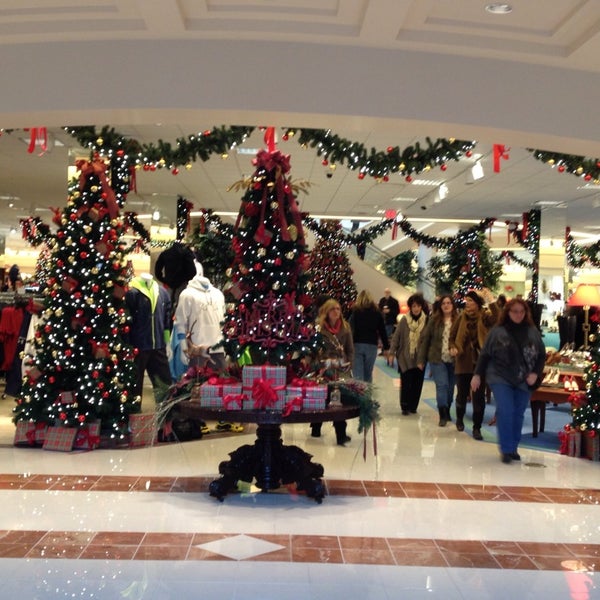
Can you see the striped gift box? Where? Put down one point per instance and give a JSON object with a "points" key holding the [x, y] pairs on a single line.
{"points": [[213, 395], [60, 439], [29, 433], [142, 430]]}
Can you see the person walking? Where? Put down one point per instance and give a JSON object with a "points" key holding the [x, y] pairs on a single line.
{"points": [[368, 327], [467, 337], [512, 362], [405, 345], [434, 349], [390, 308], [335, 356]]}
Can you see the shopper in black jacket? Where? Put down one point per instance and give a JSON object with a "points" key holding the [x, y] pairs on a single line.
{"points": [[368, 327]]}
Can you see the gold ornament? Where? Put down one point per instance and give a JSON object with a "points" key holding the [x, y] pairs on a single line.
{"points": [[276, 285], [293, 231], [59, 312], [274, 205], [592, 338], [188, 166], [71, 259], [261, 252], [290, 255], [579, 170], [99, 141], [94, 188], [95, 270]]}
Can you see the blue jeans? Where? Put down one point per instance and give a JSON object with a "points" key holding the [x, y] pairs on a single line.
{"points": [[511, 403], [443, 376], [364, 361]]}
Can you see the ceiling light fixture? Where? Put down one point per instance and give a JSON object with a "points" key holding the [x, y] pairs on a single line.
{"points": [[156, 215], [498, 8]]}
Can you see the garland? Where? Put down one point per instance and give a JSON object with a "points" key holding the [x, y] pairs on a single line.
{"points": [[587, 168], [509, 255], [442, 243], [578, 256], [365, 236]]}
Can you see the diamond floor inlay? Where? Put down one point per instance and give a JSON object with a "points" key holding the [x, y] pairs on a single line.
{"points": [[240, 547]]}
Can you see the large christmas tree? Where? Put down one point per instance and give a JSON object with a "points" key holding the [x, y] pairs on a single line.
{"points": [[330, 269], [82, 370], [586, 408], [268, 319]]}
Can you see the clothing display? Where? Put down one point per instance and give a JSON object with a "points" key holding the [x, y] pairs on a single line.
{"points": [[149, 306], [197, 331]]}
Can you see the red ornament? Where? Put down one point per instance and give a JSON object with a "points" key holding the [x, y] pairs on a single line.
{"points": [[361, 175], [68, 352], [101, 385], [175, 171], [48, 328], [561, 168], [99, 310], [324, 162], [63, 416], [73, 217], [588, 177], [120, 152], [83, 254], [95, 374], [52, 379], [285, 137], [386, 178], [390, 149], [81, 418], [153, 167], [443, 166], [146, 167], [408, 179], [95, 288], [207, 132], [258, 266], [468, 153]]}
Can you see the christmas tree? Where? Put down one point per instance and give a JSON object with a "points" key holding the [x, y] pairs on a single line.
{"points": [[269, 290], [330, 269], [586, 404], [82, 370]]}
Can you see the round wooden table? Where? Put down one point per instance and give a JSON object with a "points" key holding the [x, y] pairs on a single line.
{"points": [[268, 461]]}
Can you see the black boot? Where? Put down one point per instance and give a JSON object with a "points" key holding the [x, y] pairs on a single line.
{"points": [[443, 412], [459, 420], [340, 433]]}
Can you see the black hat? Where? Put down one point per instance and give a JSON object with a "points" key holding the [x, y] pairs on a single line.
{"points": [[475, 297]]}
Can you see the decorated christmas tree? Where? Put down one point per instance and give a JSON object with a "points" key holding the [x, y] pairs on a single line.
{"points": [[81, 370], [268, 319], [586, 404], [330, 269]]}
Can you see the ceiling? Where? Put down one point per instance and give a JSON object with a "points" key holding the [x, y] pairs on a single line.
{"points": [[382, 73]]}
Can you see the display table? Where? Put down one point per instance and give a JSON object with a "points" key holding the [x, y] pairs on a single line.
{"points": [[539, 399], [268, 460]]}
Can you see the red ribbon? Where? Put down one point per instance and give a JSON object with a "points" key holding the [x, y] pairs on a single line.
{"points": [[264, 393], [32, 432], [289, 406], [525, 226], [500, 152], [231, 398], [98, 168], [302, 383], [36, 133], [270, 139], [86, 439], [132, 179], [221, 381], [365, 443]]}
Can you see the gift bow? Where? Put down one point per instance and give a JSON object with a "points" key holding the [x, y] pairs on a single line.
{"points": [[264, 393], [237, 398], [32, 433], [289, 406], [221, 381], [84, 436]]}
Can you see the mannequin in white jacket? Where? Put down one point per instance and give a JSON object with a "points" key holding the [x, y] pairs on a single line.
{"points": [[197, 327]]}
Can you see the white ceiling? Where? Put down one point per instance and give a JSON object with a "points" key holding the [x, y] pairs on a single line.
{"points": [[379, 72]]}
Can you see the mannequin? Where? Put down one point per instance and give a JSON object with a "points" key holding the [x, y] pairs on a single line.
{"points": [[197, 333], [149, 306]]}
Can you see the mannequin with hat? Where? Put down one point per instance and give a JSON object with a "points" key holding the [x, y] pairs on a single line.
{"points": [[467, 337]]}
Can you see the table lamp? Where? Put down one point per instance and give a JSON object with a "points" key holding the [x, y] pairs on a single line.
{"points": [[585, 295]]}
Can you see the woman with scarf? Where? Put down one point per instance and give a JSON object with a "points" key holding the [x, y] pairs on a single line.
{"points": [[405, 345], [335, 357], [467, 337], [512, 361]]}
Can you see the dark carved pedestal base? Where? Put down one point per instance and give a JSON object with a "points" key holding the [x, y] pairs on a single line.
{"points": [[271, 464]]}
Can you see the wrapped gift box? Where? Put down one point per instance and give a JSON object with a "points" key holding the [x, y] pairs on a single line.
{"points": [[30, 434], [221, 395], [88, 436], [60, 439], [313, 396], [264, 387], [591, 446], [142, 430]]}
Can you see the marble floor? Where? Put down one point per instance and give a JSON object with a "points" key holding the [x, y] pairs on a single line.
{"points": [[434, 514]]}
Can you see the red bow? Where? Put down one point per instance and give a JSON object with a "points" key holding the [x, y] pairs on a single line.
{"points": [[289, 406], [35, 133], [500, 152]]}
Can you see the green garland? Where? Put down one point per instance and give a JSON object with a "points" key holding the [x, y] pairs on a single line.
{"points": [[359, 393], [521, 262], [580, 166], [442, 243], [578, 256], [365, 236]]}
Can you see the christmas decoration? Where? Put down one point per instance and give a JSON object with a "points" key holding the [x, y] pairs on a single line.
{"points": [[81, 371], [586, 404], [269, 290], [580, 166], [579, 256], [330, 269], [183, 218], [402, 268]]}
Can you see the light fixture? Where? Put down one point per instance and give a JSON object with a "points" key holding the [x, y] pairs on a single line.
{"points": [[586, 295], [498, 8], [475, 173], [156, 215]]}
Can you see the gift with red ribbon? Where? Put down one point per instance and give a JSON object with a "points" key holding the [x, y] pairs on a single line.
{"points": [[29, 433], [88, 436], [214, 391], [142, 430], [312, 395], [570, 441], [591, 445], [60, 439], [265, 386]]}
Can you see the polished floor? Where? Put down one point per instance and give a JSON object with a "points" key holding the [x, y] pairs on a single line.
{"points": [[434, 514]]}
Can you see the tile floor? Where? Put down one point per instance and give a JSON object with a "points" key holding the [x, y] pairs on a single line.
{"points": [[434, 515]]}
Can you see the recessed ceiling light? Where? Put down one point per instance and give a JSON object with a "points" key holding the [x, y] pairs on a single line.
{"points": [[498, 8]]}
